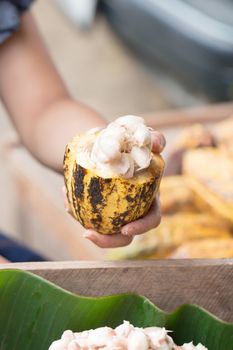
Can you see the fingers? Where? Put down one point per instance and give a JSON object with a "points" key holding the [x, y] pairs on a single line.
{"points": [[151, 220], [158, 141], [108, 241]]}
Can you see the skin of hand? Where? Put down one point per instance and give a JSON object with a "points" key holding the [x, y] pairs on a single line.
{"points": [[151, 220]]}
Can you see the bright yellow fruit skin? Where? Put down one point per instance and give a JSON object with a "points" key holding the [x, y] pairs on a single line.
{"points": [[106, 204]]}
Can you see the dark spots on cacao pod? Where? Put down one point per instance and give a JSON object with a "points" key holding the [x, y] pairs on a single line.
{"points": [[130, 188], [67, 151], [95, 192], [79, 175], [152, 187], [143, 193], [107, 181], [109, 190], [96, 221], [77, 208], [147, 191], [157, 176], [129, 198], [120, 220]]}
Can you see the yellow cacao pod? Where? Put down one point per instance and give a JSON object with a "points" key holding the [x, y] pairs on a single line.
{"points": [[106, 204]]}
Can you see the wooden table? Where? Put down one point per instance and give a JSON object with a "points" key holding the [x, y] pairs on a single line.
{"points": [[168, 284]]}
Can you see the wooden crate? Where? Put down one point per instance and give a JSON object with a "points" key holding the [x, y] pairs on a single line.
{"points": [[168, 283]]}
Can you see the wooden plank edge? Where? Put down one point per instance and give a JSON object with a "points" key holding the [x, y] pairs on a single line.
{"points": [[67, 265]]}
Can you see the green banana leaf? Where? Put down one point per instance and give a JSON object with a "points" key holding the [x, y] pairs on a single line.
{"points": [[34, 312]]}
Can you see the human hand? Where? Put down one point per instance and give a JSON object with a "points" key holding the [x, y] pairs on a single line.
{"points": [[151, 220]]}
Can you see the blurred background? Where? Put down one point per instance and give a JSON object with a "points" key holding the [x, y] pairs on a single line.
{"points": [[120, 57]]}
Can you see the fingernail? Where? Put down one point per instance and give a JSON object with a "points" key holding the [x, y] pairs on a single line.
{"points": [[162, 142], [87, 234], [126, 232]]}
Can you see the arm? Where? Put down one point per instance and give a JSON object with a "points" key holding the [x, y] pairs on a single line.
{"points": [[36, 98], [46, 117]]}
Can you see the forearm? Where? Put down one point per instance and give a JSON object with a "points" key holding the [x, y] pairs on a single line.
{"points": [[55, 128], [36, 98]]}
